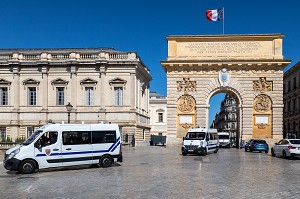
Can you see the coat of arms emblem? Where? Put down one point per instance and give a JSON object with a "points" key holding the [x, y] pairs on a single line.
{"points": [[224, 77], [48, 152]]}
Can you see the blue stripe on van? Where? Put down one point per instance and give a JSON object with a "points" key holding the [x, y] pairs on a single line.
{"points": [[110, 149]]}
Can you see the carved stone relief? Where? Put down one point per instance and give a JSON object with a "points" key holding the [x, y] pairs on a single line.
{"points": [[261, 125], [262, 103], [186, 85], [186, 104], [262, 85]]}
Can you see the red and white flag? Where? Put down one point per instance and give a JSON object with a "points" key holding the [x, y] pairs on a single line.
{"points": [[215, 15]]}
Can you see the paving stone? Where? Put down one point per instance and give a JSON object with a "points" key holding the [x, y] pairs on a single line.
{"points": [[162, 172]]}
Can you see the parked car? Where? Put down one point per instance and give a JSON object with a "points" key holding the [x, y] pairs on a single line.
{"points": [[247, 144], [257, 145], [286, 148]]}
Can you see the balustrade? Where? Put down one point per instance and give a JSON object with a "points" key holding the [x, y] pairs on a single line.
{"points": [[5, 57], [118, 56], [60, 56], [89, 56], [66, 56], [32, 57]]}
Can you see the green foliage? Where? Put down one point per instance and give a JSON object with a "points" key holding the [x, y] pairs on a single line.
{"points": [[6, 140], [20, 140]]}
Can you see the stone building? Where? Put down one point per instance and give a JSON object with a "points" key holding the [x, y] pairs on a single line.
{"points": [[102, 85], [291, 94], [225, 120], [158, 114], [247, 67]]}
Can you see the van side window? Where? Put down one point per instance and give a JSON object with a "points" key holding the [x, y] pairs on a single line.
{"points": [[103, 137], [46, 139], [213, 136], [76, 137]]}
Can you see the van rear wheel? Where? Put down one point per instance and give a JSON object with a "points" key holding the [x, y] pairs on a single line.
{"points": [[106, 161], [27, 166]]}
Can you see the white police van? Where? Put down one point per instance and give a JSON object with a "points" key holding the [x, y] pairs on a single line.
{"points": [[59, 145], [224, 139], [200, 141]]}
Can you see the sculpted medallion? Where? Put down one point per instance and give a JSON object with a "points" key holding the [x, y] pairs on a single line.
{"points": [[262, 103], [186, 103]]}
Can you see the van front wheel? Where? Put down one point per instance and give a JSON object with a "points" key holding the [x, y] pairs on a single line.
{"points": [[27, 166], [106, 161]]}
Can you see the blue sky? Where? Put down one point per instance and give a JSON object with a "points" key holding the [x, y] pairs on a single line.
{"points": [[142, 25]]}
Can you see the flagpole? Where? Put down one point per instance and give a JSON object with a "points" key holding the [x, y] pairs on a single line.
{"points": [[223, 19]]}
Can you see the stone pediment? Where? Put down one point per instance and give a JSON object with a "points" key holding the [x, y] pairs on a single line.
{"points": [[4, 82], [160, 110], [30, 81], [59, 81], [117, 81], [88, 81]]}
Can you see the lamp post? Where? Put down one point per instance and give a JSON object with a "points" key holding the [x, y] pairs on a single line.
{"points": [[69, 109]]}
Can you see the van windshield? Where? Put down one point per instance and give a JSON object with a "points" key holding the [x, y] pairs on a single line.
{"points": [[32, 137], [224, 137], [195, 135]]}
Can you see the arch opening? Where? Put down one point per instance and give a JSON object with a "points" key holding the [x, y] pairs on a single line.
{"points": [[224, 114]]}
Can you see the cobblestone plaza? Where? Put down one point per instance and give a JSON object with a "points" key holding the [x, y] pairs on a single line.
{"points": [[159, 172]]}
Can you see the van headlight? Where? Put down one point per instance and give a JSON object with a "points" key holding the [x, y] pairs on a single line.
{"points": [[13, 153]]}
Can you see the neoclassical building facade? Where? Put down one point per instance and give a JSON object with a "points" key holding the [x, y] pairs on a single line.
{"points": [[247, 67], [102, 85], [291, 94], [158, 114]]}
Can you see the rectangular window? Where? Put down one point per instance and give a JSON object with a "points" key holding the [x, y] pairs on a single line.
{"points": [[294, 83], [76, 137], [160, 117], [30, 131], [118, 96], [60, 96], [103, 137], [31, 96], [289, 86], [2, 133], [232, 125], [3, 96], [89, 93]]}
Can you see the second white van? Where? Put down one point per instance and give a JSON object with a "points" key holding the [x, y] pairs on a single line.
{"points": [[200, 141]]}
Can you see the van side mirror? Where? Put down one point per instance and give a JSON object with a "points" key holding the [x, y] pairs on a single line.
{"points": [[207, 138], [182, 138]]}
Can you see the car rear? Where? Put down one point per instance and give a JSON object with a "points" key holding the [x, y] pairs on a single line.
{"points": [[259, 145], [294, 147]]}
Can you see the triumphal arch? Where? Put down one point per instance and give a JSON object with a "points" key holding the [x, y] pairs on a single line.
{"points": [[247, 67]]}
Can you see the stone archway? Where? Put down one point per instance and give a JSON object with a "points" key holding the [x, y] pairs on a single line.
{"points": [[245, 66], [239, 111]]}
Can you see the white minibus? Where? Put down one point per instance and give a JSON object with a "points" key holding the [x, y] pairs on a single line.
{"points": [[224, 139], [59, 145], [200, 141]]}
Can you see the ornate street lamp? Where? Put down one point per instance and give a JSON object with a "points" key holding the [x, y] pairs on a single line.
{"points": [[69, 109]]}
